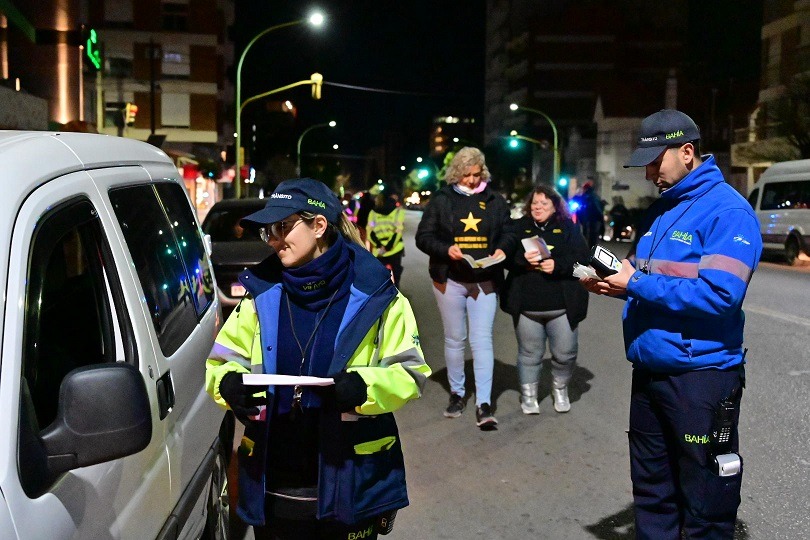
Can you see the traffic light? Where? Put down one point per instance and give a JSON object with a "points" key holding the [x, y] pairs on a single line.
{"points": [[562, 182], [513, 142], [317, 81], [130, 111]]}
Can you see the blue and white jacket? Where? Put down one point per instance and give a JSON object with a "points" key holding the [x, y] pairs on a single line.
{"points": [[699, 247]]}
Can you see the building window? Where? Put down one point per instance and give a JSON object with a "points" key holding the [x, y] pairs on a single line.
{"points": [[175, 65], [175, 16], [175, 110]]}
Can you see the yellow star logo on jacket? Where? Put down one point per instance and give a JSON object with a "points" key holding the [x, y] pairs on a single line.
{"points": [[470, 223]]}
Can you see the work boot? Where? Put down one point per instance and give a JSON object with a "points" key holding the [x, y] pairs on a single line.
{"points": [[528, 398], [560, 394]]}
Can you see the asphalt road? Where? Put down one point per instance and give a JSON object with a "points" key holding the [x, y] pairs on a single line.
{"points": [[566, 476]]}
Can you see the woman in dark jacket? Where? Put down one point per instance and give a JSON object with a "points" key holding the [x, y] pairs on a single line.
{"points": [[544, 299], [466, 221]]}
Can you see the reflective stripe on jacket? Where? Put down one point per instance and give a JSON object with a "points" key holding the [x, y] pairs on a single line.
{"points": [[361, 465]]}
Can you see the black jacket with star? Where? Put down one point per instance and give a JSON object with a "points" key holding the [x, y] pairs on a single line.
{"points": [[440, 224]]}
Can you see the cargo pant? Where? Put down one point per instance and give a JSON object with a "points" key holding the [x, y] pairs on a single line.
{"points": [[674, 487]]}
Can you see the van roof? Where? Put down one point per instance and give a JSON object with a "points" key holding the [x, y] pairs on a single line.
{"points": [[28, 158], [787, 167]]}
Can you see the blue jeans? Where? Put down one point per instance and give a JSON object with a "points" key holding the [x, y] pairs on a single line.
{"points": [[477, 303], [532, 330]]}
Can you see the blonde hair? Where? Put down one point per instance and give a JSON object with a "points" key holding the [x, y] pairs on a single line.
{"points": [[464, 159], [343, 227]]}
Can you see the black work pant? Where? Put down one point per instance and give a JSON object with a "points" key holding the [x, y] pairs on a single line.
{"points": [[674, 488], [394, 264], [312, 529]]}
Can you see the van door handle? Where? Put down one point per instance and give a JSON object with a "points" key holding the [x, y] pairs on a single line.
{"points": [[165, 394]]}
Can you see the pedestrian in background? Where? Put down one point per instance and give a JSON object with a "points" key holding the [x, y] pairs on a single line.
{"points": [[546, 302], [466, 217], [590, 214], [317, 462], [698, 247], [384, 232]]}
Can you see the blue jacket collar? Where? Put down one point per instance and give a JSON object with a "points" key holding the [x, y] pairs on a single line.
{"points": [[697, 182]]}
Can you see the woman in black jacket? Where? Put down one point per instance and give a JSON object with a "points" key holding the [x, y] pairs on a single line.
{"points": [[544, 299], [464, 222]]}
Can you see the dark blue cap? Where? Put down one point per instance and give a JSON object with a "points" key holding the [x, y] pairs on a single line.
{"points": [[665, 128], [294, 196]]}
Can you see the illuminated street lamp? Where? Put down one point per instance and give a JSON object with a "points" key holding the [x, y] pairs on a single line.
{"points": [[316, 19], [301, 138], [556, 149]]}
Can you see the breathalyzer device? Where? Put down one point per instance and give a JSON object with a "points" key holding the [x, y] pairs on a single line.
{"points": [[604, 262]]}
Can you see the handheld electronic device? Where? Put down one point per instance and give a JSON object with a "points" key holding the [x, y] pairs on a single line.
{"points": [[724, 461], [604, 262], [721, 430]]}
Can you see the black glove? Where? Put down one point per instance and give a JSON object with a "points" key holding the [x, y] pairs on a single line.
{"points": [[350, 390], [239, 397]]}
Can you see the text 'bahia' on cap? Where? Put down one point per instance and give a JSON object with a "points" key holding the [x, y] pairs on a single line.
{"points": [[294, 196], [667, 127]]}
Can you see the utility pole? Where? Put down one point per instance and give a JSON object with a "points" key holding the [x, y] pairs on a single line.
{"points": [[152, 100]]}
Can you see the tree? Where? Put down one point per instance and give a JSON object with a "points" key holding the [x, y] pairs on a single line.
{"points": [[791, 117]]}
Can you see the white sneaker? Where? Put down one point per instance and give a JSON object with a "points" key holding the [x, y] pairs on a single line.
{"points": [[561, 402]]}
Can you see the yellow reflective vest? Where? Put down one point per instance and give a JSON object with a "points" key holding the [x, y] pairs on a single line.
{"points": [[385, 228]]}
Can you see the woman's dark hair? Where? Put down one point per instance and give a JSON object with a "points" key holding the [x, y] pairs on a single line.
{"points": [[560, 206]]}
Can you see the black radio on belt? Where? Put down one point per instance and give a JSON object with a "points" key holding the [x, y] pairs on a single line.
{"points": [[604, 262]]}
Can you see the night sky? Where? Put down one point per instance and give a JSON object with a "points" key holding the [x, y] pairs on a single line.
{"points": [[432, 51]]}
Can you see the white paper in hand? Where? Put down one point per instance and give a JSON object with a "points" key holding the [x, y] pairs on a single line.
{"points": [[535, 243], [263, 379]]}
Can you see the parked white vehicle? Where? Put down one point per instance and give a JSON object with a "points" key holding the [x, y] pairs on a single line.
{"points": [[109, 312], [781, 199]]}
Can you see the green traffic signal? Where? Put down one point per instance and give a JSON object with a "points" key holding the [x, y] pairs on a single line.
{"points": [[563, 181], [513, 143]]}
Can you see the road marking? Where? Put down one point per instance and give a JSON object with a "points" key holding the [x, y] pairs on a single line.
{"points": [[776, 315], [797, 373]]}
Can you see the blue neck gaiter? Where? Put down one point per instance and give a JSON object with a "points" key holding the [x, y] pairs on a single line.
{"points": [[311, 285]]}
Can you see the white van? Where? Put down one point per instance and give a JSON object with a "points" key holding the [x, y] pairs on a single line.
{"points": [[109, 311], [781, 199]]}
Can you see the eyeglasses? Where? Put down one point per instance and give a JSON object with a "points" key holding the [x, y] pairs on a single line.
{"points": [[278, 230]]}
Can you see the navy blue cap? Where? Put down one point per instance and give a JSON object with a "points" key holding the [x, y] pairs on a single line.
{"points": [[665, 128], [294, 196]]}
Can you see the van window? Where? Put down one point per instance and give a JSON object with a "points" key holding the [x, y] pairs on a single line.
{"points": [[786, 195], [153, 245], [189, 239], [752, 199], [69, 320]]}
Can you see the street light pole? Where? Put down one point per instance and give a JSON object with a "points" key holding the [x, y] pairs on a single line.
{"points": [[316, 20], [301, 138], [515, 106]]}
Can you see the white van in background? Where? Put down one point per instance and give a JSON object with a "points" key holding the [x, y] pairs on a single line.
{"points": [[781, 199], [108, 314]]}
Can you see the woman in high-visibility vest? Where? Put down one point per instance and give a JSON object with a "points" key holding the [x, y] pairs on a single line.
{"points": [[386, 225]]}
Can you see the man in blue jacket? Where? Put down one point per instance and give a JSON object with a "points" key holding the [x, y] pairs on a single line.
{"points": [[698, 247]]}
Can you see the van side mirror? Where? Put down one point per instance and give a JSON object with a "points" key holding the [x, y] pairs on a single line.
{"points": [[103, 414]]}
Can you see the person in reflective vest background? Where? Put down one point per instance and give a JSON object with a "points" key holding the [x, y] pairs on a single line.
{"points": [[386, 225]]}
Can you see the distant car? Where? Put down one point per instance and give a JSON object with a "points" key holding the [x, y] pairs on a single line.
{"points": [[234, 248]]}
